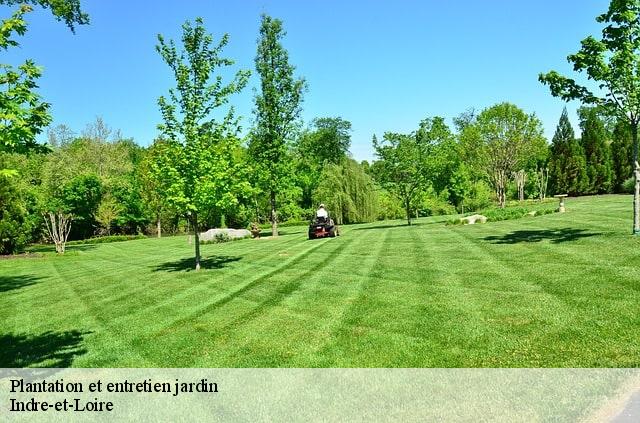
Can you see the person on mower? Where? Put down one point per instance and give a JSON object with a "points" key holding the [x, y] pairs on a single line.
{"points": [[322, 212]]}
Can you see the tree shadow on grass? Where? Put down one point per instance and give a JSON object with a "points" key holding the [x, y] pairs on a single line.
{"points": [[553, 235], [188, 264], [48, 349], [9, 283]]}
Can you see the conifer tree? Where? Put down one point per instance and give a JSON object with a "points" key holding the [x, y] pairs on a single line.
{"points": [[621, 153], [594, 141], [567, 169]]}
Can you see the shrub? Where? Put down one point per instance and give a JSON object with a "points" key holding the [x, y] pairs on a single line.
{"points": [[629, 185], [480, 197], [389, 207], [222, 237], [433, 206], [508, 213]]}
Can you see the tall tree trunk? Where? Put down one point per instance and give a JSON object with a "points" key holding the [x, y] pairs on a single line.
{"points": [[636, 192], [158, 226], [274, 217], [196, 237]]}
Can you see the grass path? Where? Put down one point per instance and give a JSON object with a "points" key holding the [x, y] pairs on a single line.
{"points": [[560, 290]]}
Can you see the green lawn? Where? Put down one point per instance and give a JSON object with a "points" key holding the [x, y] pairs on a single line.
{"points": [[560, 290]]}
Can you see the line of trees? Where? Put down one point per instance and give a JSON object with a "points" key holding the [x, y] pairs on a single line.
{"points": [[201, 172]]}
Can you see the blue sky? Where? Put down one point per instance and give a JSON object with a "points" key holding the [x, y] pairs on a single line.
{"points": [[383, 65]]}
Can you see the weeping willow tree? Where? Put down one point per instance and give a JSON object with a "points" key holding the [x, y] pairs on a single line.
{"points": [[348, 192]]}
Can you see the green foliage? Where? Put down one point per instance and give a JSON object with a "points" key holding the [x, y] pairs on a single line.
{"points": [[567, 165], [594, 141], [348, 192], [278, 108], [628, 186], [327, 141], [433, 205], [502, 140], [496, 214], [613, 64], [63, 10], [621, 154], [23, 114], [201, 169], [15, 225], [480, 196], [402, 167], [389, 206], [108, 211], [81, 198], [223, 237]]}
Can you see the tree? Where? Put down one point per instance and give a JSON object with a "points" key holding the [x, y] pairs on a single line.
{"points": [[621, 154], [80, 197], [348, 192], [328, 140], [58, 225], [60, 135], [153, 183], [596, 150], [567, 167], [23, 114], [202, 165], [107, 212], [402, 167], [278, 108], [613, 63], [506, 140], [444, 158]]}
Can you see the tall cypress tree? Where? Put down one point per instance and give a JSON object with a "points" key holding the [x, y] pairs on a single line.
{"points": [[567, 167], [596, 151], [621, 153], [278, 109]]}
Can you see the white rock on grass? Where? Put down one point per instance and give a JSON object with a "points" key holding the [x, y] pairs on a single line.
{"points": [[211, 234], [473, 219]]}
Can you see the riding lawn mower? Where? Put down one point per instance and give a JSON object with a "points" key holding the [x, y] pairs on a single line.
{"points": [[323, 227]]}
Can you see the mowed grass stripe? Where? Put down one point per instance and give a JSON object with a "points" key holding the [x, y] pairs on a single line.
{"points": [[557, 290]]}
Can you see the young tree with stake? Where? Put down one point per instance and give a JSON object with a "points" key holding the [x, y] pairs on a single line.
{"points": [[202, 167]]}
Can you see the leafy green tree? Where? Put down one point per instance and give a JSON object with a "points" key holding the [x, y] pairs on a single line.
{"points": [[278, 108], [108, 211], [68, 11], [153, 181], [567, 166], [402, 167], [444, 159], [613, 63], [326, 141], [23, 114], [594, 141], [621, 154], [18, 218], [80, 198], [202, 166], [506, 139], [348, 192]]}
